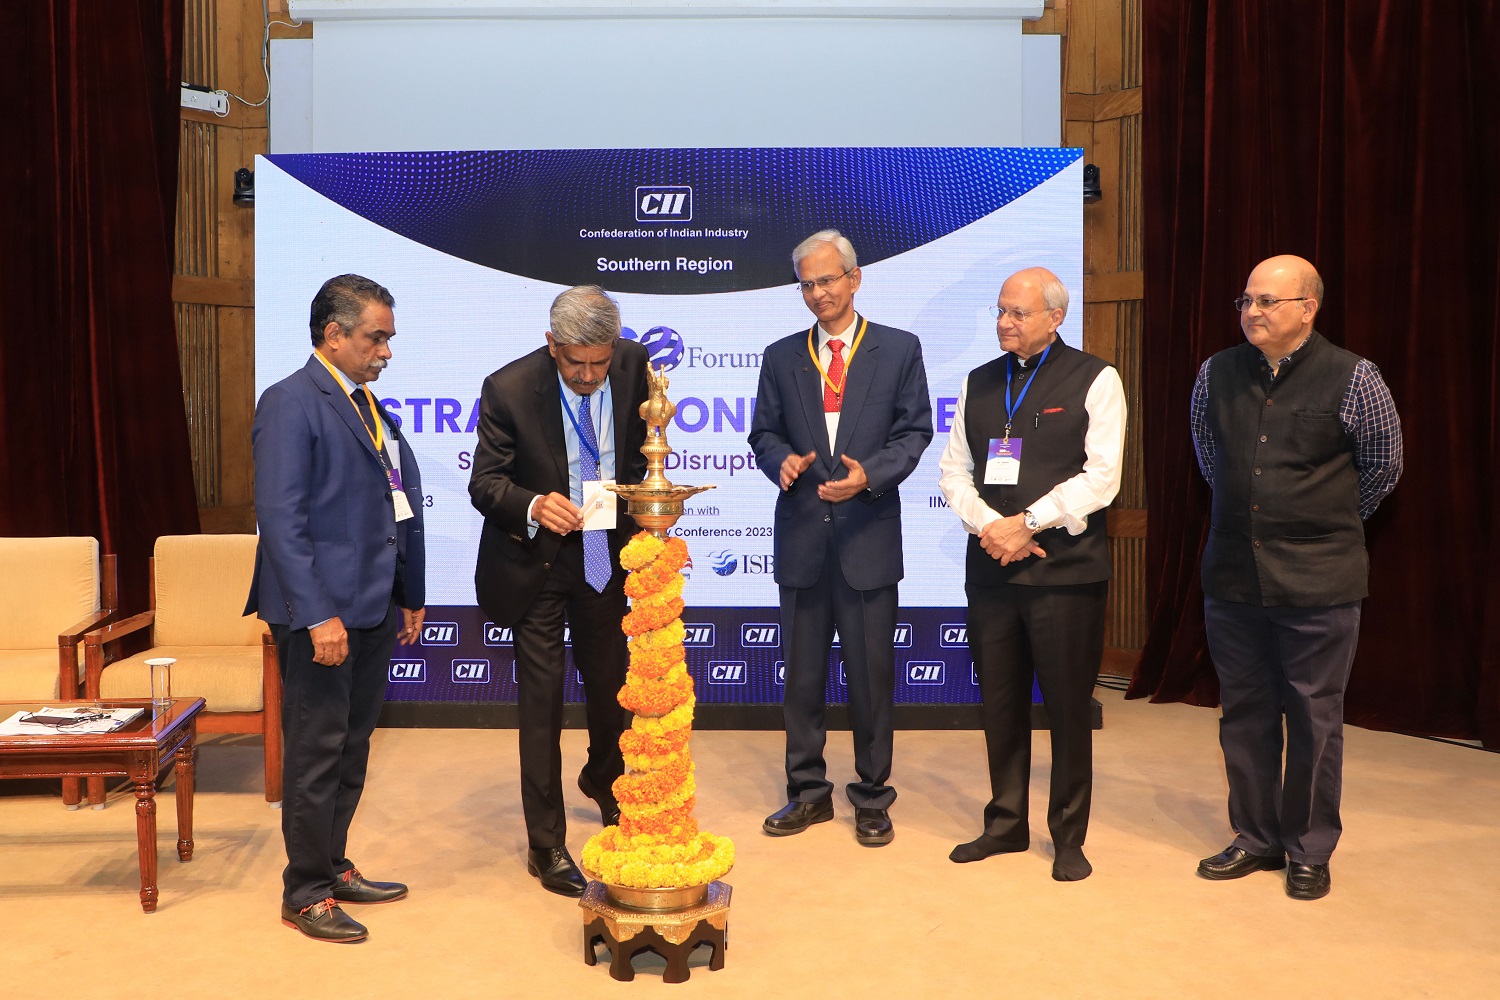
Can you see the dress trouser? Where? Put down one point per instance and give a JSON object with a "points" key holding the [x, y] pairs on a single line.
{"points": [[866, 623], [1293, 662], [1057, 635], [327, 716], [600, 654]]}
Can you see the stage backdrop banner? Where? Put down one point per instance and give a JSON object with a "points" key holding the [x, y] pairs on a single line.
{"points": [[695, 244]]}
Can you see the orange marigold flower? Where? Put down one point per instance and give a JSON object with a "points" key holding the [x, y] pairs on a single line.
{"points": [[645, 617]]}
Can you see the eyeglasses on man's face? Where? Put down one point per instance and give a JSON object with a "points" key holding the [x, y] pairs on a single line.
{"points": [[1016, 315], [1265, 303], [826, 281]]}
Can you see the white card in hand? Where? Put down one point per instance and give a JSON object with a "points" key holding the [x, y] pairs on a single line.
{"points": [[599, 505]]}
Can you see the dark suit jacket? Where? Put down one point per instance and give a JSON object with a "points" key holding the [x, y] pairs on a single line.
{"points": [[885, 425], [329, 542], [522, 454]]}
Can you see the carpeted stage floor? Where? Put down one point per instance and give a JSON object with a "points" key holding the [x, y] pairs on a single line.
{"points": [[1416, 883]]}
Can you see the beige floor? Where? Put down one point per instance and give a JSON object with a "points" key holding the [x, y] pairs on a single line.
{"points": [[1413, 911]]}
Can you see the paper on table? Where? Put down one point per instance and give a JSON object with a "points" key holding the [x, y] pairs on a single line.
{"points": [[111, 720]]}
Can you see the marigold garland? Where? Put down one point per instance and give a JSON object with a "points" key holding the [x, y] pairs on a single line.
{"points": [[657, 843]]}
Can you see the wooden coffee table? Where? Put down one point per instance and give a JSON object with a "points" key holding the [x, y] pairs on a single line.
{"points": [[139, 749]]}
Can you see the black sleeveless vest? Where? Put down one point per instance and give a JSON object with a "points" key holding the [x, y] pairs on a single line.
{"points": [[1051, 425], [1285, 528]]}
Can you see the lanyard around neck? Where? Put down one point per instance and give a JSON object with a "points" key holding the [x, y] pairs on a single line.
{"points": [[1010, 411], [578, 429], [838, 390], [377, 436]]}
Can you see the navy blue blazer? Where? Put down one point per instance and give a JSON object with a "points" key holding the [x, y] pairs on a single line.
{"points": [[885, 425], [329, 542]]}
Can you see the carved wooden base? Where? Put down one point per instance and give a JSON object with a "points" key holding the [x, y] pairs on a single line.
{"points": [[672, 934]]}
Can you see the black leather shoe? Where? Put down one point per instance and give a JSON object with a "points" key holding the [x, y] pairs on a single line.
{"points": [[324, 921], [795, 817], [555, 867], [1234, 862], [872, 827], [609, 809], [1307, 881], [353, 887]]}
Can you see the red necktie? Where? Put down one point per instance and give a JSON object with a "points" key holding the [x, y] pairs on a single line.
{"points": [[833, 402]]}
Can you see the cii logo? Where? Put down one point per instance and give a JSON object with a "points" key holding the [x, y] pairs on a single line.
{"points": [[778, 672], [698, 634], [760, 634], [499, 635], [924, 671], [723, 562], [902, 637], [664, 203], [662, 343], [471, 671], [727, 672], [440, 634], [408, 671], [953, 635]]}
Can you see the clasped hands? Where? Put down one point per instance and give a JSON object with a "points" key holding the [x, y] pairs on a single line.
{"points": [[832, 491], [1009, 540]]}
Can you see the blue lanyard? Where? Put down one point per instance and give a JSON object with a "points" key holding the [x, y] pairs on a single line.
{"points": [[579, 431], [1010, 411]]}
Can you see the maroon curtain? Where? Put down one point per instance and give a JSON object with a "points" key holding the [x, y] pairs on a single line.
{"points": [[94, 429], [1364, 136]]}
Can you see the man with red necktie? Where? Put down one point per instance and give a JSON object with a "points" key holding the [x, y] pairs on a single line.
{"points": [[841, 419]]}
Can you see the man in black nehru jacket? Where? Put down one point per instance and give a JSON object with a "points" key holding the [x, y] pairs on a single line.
{"points": [[1047, 424], [1300, 442]]}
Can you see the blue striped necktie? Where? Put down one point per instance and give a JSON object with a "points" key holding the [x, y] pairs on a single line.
{"points": [[596, 569]]}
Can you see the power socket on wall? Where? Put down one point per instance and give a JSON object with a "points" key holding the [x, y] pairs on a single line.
{"points": [[203, 99]]}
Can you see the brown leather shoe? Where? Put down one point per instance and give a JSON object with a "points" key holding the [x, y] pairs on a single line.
{"points": [[324, 921], [353, 887]]}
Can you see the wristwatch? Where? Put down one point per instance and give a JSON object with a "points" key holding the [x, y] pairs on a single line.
{"points": [[1032, 524]]}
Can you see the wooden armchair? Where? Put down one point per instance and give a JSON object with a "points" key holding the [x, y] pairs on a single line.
{"points": [[53, 590], [198, 589]]}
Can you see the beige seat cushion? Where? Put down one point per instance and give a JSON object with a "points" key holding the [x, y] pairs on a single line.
{"points": [[46, 586], [201, 585], [227, 678], [31, 675]]}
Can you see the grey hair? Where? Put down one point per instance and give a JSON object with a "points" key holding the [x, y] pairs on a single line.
{"points": [[1312, 286], [342, 300], [585, 316], [827, 238], [1055, 296]]}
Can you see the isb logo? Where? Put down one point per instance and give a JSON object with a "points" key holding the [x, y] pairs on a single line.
{"points": [[952, 634], [440, 634], [728, 672], [499, 635], [408, 671], [471, 671], [664, 203], [663, 345], [924, 671], [698, 634], [760, 634], [723, 562]]}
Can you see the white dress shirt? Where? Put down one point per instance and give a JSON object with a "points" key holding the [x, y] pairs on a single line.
{"points": [[1070, 502]]}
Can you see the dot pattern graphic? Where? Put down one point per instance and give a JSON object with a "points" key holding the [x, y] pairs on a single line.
{"points": [[544, 214]]}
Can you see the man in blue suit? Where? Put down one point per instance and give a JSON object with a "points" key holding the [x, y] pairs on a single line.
{"points": [[841, 418], [339, 577]]}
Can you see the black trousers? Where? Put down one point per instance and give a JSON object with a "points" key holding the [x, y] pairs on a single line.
{"points": [[327, 716], [1274, 663], [1057, 635], [600, 654], [866, 622]]}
